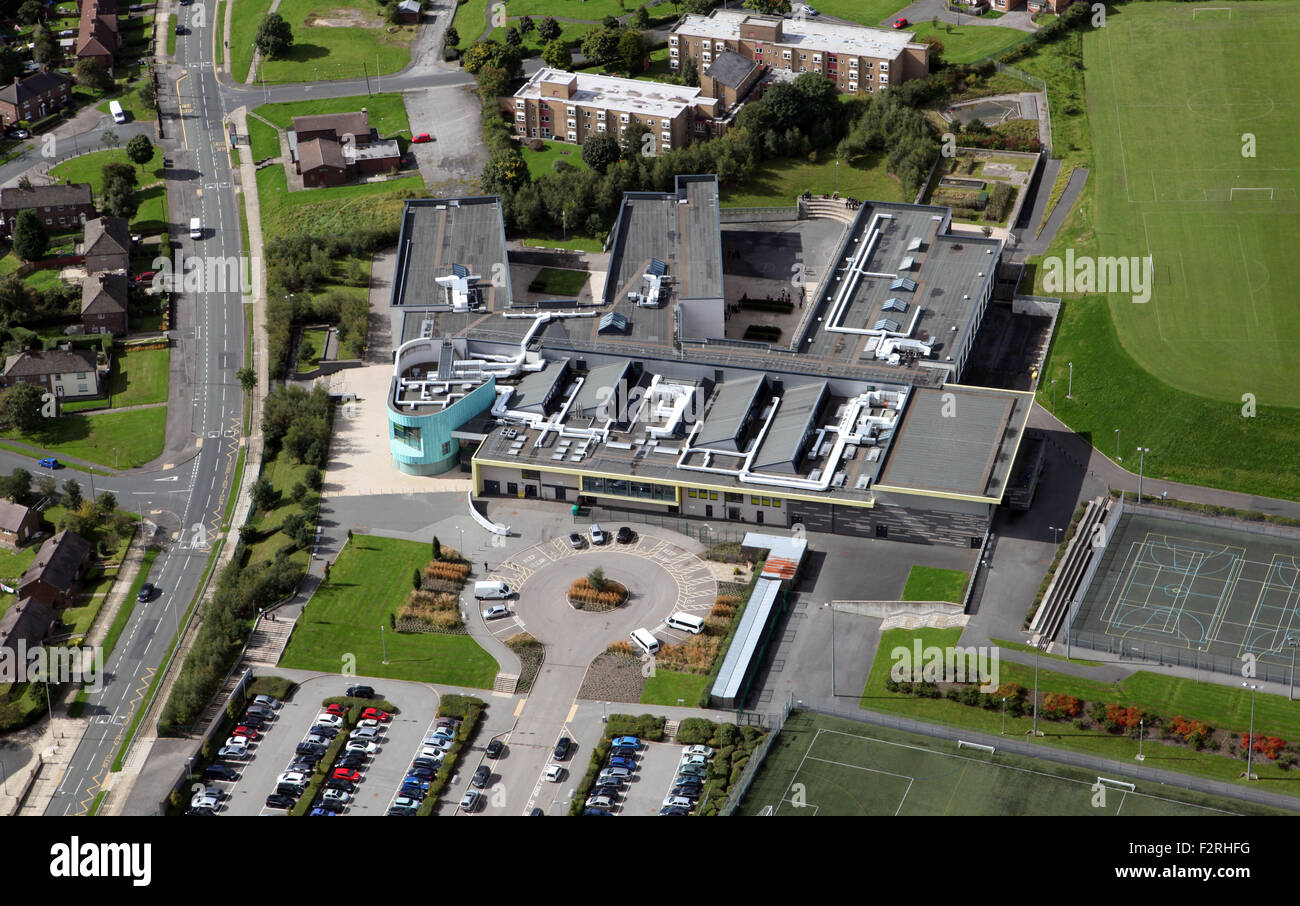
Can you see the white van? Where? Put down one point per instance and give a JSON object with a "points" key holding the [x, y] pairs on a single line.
{"points": [[687, 622], [492, 589], [645, 640], [196, 228], [119, 115]]}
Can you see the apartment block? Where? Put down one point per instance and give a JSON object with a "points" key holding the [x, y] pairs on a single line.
{"points": [[568, 106], [857, 59]]}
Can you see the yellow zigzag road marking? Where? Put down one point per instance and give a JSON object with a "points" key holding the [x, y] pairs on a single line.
{"points": [[95, 782]]}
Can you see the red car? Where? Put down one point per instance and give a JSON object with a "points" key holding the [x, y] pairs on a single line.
{"points": [[338, 710], [421, 138], [375, 714], [901, 22], [145, 277], [346, 774], [252, 734]]}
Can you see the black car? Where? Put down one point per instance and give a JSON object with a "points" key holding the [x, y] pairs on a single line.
{"points": [[338, 783], [605, 789], [422, 773], [329, 732], [611, 783], [220, 772], [201, 812], [360, 691], [310, 750], [351, 760], [279, 800], [690, 791], [146, 592], [426, 763], [494, 748], [562, 748], [302, 766], [480, 778], [674, 810], [537, 812], [253, 722], [398, 812], [625, 535], [623, 752], [329, 805], [181, 30]]}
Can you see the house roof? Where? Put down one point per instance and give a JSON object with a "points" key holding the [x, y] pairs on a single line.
{"points": [[29, 619], [731, 69], [58, 561], [103, 294], [16, 198], [355, 123], [35, 85], [97, 36], [32, 362], [12, 515], [106, 236], [320, 152]]}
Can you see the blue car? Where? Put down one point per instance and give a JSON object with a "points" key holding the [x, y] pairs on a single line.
{"points": [[619, 761], [629, 741], [50, 462], [321, 813]]}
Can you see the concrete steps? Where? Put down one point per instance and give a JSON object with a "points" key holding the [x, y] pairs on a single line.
{"points": [[268, 641]]}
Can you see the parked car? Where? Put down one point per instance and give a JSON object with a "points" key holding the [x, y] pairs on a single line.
{"points": [[494, 748], [625, 535], [624, 751], [620, 761], [246, 732], [303, 765], [442, 744], [295, 778], [15, 132], [496, 612], [901, 22], [260, 711], [324, 732], [481, 776], [346, 774], [364, 733], [421, 138], [322, 741], [555, 772], [233, 752], [266, 700], [431, 763], [674, 810], [360, 745], [351, 760], [376, 714], [562, 748], [208, 797], [406, 802], [576, 541], [449, 723], [346, 786], [49, 462], [326, 719], [279, 800], [220, 772], [599, 802], [471, 800], [252, 722], [335, 795], [359, 692], [146, 592], [336, 709], [204, 812], [421, 772], [694, 770], [597, 534], [694, 759], [632, 741], [330, 805], [697, 750], [321, 813], [310, 750]]}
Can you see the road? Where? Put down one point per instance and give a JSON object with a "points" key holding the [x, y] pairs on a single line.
{"points": [[185, 493]]}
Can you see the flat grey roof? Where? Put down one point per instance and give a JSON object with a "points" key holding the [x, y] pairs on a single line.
{"points": [[437, 233], [753, 622], [960, 440], [790, 426], [731, 407], [595, 391], [536, 392]]}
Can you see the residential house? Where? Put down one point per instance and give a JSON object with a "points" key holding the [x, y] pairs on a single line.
{"points": [[98, 37], [18, 524], [34, 97], [104, 303], [107, 245], [569, 106], [26, 625], [61, 206], [332, 149], [55, 575], [67, 373], [856, 58]]}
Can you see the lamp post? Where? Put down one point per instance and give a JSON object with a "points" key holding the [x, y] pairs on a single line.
{"points": [[1293, 641], [1037, 649], [1056, 531], [827, 604], [1117, 457], [1250, 740], [1142, 460], [1004, 715], [383, 640], [1141, 732], [1053, 396], [1069, 391]]}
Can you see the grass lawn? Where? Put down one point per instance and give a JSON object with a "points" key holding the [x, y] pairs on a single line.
{"points": [[263, 139], [865, 12], [152, 214], [283, 473], [13, 564], [968, 43], [542, 162], [219, 23], [334, 48], [137, 436], [387, 113], [666, 687], [930, 583], [132, 105], [333, 210], [470, 20], [315, 341], [778, 182], [243, 29], [578, 243], [368, 582], [560, 283], [137, 378], [1223, 707]]}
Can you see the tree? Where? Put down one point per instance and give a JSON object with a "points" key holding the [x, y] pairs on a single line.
{"points": [[610, 22], [109, 139], [451, 37], [48, 486], [596, 579], [117, 170], [11, 64], [30, 12], [263, 494], [769, 7], [437, 548], [30, 239], [631, 51], [247, 378], [633, 135], [599, 150], [44, 48], [691, 72], [147, 95], [415, 580], [18, 486], [526, 25], [71, 494], [20, 407], [549, 30], [556, 54], [106, 503], [89, 74], [641, 18], [492, 82], [698, 7], [139, 149], [600, 44], [274, 36], [504, 172], [513, 38], [119, 194]]}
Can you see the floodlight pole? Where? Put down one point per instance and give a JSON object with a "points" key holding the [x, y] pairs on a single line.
{"points": [[827, 604], [1142, 461], [1053, 396], [1141, 731], [1069, 392], [383, 640], [1292, 640], [1117, 459], [1250, 741], [1037, 649], [1004, 715]]}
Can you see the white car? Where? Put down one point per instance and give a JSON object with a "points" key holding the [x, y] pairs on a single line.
{"points": [[294, 778], [555, 772], [677, 802], [697, 750], [206, 798], [368, 724], [267, 700], [598, 535], [433, 752], [364, 733], [325, 719], [496, 611], [360, 745], [237, 741], [336, 796]]}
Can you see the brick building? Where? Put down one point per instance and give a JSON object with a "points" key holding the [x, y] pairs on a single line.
{"points": [[98, 37], [59, 207], [107, 245], [856, 58], [54, 577], [332, 149], [34, 97], [67, 373], [104, 303], [569, 106]]}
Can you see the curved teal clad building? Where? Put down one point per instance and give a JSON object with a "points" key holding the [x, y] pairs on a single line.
{"points": [[426, 404]]}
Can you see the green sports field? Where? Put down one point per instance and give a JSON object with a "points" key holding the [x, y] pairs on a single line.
{"points": [[1173, 183], [827, 766]]}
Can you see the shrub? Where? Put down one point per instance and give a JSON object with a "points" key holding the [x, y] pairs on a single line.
{"points": [[695, 731]]}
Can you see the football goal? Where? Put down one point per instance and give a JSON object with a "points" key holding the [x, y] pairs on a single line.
{"points": [[1117, 784], [1250, 194], [963, 744]]}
